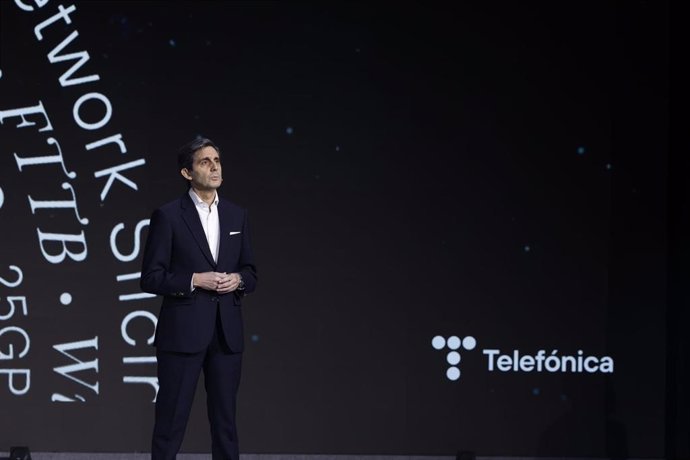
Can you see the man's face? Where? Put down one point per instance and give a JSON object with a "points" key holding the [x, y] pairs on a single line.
{"points": [[206, 173]]}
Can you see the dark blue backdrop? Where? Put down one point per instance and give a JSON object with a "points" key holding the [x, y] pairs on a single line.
{"points": [[410, 172]]}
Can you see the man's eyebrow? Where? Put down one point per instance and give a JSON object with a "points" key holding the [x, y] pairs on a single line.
{"points": [[209, 158]]}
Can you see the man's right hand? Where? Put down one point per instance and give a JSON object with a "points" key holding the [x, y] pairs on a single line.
{"points": [[208, 280]]}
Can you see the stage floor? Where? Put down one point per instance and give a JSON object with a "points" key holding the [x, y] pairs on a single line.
{"points": [[146, 456]]}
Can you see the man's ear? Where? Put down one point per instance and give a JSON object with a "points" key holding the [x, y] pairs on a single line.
{"points": [[185, 173]]}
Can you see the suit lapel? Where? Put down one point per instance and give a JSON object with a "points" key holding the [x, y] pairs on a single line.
{"points": [[226, 223], [191, 217]]}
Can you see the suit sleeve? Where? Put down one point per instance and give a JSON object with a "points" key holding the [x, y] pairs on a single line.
{"points": [[247, 267], [156, 274]]}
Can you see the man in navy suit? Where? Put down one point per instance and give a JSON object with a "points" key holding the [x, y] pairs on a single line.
{"points": [[198, 257]]}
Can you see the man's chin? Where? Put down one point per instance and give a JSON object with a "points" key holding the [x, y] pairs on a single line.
{"points": [[208, 187]]}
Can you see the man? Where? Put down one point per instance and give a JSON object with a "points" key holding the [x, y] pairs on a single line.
{"points": [[198, 257]]}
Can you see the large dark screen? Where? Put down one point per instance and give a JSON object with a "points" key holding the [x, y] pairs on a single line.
{"points": [[461, 243]]}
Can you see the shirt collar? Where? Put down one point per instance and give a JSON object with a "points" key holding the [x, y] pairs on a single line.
{"points": [[199, 202]]}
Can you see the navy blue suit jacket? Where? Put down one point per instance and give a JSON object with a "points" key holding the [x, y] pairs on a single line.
{"points": [[176, 248]]}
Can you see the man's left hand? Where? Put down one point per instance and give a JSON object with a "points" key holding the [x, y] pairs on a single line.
{"points": [[228, 283]]}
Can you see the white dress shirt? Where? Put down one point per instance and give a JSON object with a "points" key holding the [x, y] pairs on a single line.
{"points": [[208, 214]]}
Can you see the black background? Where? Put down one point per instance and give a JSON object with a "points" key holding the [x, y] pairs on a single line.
{"points": [[409, 172]]}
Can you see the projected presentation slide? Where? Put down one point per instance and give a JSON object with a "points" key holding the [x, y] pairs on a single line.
{"points": [[459, 245]]}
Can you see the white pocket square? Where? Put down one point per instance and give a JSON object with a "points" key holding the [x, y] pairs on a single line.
{"points": [[234, 233]]}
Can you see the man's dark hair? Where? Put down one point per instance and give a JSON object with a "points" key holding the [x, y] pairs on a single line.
{"points": [[185, 159]]}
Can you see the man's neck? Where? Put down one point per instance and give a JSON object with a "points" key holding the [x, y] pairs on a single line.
{"points": [[207, 196]]}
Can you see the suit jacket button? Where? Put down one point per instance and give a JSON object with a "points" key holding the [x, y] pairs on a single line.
{"points": [[214, 299]]}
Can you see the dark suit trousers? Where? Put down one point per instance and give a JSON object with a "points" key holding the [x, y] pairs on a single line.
{"points": [[178, 374]]}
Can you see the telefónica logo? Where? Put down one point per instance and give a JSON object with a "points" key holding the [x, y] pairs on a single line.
{"points": [[520, 361], [453, 343]]}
